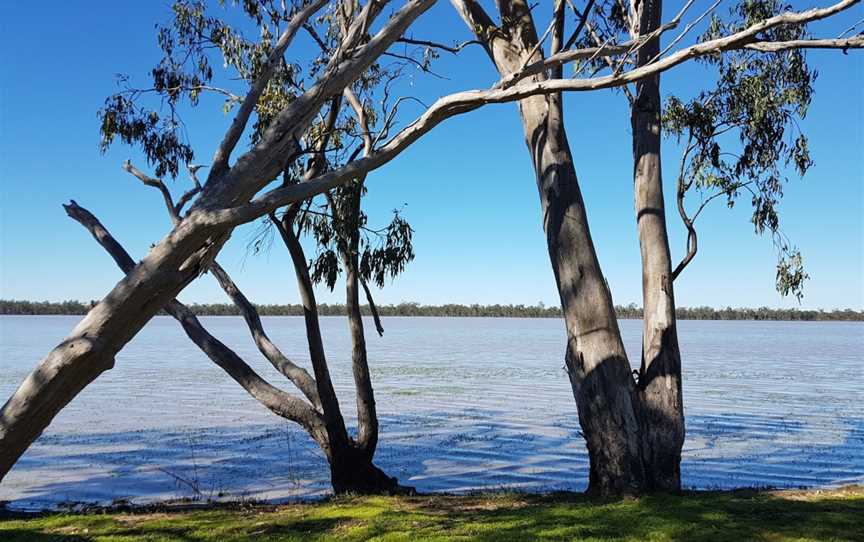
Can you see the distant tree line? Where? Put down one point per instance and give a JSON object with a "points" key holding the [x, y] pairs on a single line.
{"points": [[8, 306]]}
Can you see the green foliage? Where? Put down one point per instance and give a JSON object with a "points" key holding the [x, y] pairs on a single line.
{"points": [[742, 135], [158, 137], [205, 45], [380, 253], [191, 44]]}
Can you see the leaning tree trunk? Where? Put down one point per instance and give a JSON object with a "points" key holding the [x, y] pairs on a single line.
{"points": [[90, 349], [596, 361], [661, 407]]}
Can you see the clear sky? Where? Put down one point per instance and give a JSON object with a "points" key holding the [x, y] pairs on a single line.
{"points": [[467, 188]]}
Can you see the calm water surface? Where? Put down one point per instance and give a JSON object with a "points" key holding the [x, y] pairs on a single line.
{"points": [[465, 403]]}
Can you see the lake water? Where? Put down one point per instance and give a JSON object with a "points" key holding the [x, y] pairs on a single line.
{"points": [[465, 404]]}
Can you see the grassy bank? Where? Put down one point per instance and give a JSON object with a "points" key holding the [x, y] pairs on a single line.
{"points": [[723, 516]]}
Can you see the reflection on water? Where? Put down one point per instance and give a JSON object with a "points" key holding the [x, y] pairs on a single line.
{"points": [[464, 403]]}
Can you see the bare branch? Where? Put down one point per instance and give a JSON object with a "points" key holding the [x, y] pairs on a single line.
{"points": [[299, 376], [372, 308], [267, 159], [294, 373], [191, 193], [640, 40], [281, 403], [183, 88], [692, 240], [583, 20], [687, 29], [422, 67], [357, 107], [609, 62], [155, 183], [186, 198], [463, 102], [855, 42], [434, 45], [851, 28]]}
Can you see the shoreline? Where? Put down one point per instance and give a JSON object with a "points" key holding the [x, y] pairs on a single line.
{"points": [[188, 504], [856, 317]]}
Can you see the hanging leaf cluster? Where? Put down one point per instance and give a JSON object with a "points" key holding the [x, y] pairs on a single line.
{"points": [[742, 136], [340, 230], [190, 44]]}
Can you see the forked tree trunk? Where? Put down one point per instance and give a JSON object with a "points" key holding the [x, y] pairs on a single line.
{"points": [[597, 363], [351, 468], [661, 407], [352, 471], [351, 462]]}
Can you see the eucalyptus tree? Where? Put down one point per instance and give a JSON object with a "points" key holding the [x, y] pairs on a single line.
{"points": [[234, 194], [634, 424], [737, 135], [222, 201], [337, 224]]}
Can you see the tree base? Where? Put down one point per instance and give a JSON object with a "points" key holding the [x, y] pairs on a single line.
{"points": [[358, 476]]}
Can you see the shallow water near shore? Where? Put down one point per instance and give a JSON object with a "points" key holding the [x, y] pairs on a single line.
{"points": [[465, 404]]}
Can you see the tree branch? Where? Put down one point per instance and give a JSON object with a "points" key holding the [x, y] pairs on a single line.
{"points": [[372, 308], [855, 42], [302, 379], [434, 45], [329, 400], [238, 125], [692, 240], [267, 159], [583, 20], [158, 184], [297, 375], [463, 102], [277, 401]]}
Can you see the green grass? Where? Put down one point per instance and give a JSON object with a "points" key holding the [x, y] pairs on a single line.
{"points": [[716, 516]]}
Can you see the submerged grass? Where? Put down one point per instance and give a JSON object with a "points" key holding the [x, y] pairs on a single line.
{"points": [[736, 516]]}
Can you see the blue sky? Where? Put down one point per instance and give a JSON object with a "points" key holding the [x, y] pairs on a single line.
{"points": [[467, 188]]}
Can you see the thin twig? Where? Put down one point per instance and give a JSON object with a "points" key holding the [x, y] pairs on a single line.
{"points": [[155, 183], [434, 45]]}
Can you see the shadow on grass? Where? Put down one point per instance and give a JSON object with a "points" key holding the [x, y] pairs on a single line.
{"points": [[694, 518], [181, 527], [726, 516]]}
